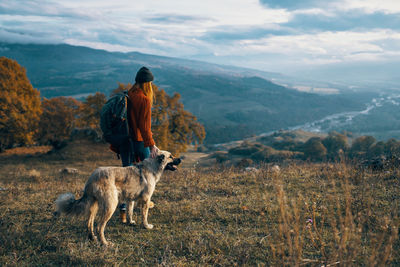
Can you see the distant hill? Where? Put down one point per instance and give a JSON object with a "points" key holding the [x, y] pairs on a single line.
{"points": [[231, 102]]}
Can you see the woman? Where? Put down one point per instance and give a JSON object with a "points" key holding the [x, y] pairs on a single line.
{"points": [[139, 115], [139, 119]]}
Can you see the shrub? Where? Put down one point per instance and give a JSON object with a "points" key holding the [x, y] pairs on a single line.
{"points": [[335, 144], [392, 148], [287, 144], [314, 149], [220, 157], [246, 149], [243, 163], [361, 145], [263, 154]]}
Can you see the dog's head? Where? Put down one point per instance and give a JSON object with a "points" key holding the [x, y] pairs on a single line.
{"points": [[167, 161]]}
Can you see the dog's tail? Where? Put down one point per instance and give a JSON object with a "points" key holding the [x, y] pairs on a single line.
{"points": [[66, 203]]}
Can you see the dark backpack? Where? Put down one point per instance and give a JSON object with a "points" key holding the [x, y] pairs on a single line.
{"points": [[113, 117]]}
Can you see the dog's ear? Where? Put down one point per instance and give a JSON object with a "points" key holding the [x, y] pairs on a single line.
{"points": [[160, 158]]}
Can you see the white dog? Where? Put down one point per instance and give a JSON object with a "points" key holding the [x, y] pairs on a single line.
{"points": [[107, 185]]}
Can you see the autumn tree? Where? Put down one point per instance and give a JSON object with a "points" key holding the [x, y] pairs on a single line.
{"points": [[89, 112], [160, 120], [121, 87], [174, 127], [58, 120], [20, 107]]}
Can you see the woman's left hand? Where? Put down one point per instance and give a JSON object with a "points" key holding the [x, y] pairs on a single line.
{"points": [[154, 151]]}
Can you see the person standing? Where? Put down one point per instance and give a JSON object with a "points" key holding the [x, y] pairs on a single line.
{"points": [[141, 98]]}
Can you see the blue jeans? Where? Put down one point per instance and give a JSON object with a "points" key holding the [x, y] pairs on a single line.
{"points": [[140, 151]]}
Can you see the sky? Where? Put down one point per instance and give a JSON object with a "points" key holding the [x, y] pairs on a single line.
{"points": [[285, 36]]}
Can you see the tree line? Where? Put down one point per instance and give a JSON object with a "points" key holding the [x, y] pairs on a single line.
{"points": [[26, 119], [332, 148], [336, 146]]}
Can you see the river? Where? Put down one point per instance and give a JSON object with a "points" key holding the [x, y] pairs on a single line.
{"points": [[340, 120]]}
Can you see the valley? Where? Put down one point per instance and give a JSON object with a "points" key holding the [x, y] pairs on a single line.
{"points": [[232, 103]]}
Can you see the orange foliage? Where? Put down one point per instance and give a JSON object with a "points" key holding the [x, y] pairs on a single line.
{"points": [[173, 127], [121, 87], [58, 119], [89, 113], [20, 106]]}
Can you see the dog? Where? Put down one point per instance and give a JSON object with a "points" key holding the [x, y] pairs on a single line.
{"points": [[108, 185]]}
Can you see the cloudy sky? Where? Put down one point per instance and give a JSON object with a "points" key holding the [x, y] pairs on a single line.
{"points": [[272, 35]]}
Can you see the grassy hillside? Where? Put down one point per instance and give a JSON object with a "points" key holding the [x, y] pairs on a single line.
{"points": [[306, 214], [231, 103]]}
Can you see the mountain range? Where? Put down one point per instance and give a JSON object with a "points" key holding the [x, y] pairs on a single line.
{"points": [[232, 102]]}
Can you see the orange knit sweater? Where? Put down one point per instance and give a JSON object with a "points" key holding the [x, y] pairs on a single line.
{"points": [[139, 117]]}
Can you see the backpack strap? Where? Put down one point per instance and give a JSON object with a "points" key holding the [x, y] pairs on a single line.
{"points": [[127, 113], [142, 178]]}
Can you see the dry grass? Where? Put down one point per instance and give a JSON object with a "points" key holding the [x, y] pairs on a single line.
{"points": [[312, 214], [27, 150]]}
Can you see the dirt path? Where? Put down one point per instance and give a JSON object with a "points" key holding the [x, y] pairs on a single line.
{"points": [[191, 159]]}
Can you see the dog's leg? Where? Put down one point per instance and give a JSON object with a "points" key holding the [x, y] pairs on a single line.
{"points": [[92, 215], [111, 203], [131, 205], [145, 213]]}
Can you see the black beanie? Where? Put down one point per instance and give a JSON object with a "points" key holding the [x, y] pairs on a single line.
{"points": [[144, 75]]}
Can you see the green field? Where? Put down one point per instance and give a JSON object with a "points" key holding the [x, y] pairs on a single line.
{"points": [[305, 214]]}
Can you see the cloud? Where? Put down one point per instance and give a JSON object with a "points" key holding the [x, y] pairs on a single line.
{"points": [[99, 45], [290, 53], [325, 44], [25, 37], [366, 6], [370, 6], [293, 4], [43, 8], [344, 21], [173, 19], [230, 33]]}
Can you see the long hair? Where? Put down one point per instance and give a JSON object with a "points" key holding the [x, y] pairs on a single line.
{"points": [[147, 89]]}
